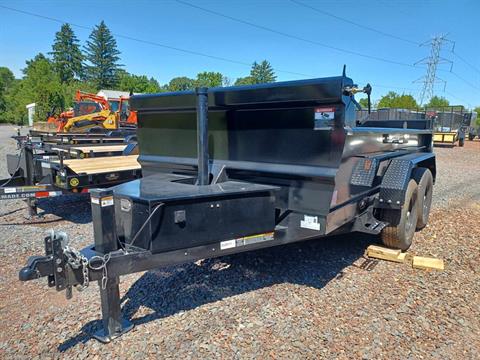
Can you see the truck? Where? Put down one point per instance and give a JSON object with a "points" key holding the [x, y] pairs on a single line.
{"points": [[230, 170]]}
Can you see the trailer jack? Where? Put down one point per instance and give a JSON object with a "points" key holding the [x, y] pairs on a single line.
{"points": [[66, 268]]}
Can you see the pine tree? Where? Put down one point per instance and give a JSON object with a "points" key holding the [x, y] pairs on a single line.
{"points": [[67, 57], [263, 72], [102, 56]]}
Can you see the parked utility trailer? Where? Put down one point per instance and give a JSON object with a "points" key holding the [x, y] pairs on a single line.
{"points": [[45, 169], [228, 170]]}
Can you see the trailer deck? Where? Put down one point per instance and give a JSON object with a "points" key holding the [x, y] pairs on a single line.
{"points": [[99, 165], [90, 151]]}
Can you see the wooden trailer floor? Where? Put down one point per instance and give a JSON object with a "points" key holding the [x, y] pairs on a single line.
{"points": [[96, 149], [98, 165]]}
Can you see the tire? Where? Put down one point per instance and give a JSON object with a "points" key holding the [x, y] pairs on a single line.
{"points": [[402, 223], [423, 177]]}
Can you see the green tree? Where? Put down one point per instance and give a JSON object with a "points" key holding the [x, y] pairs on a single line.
{"points": [[6, 82], [394, 100], [181, 84], [263, 72], [226, 81], [102, 58], [137, 83], [209, 79], [247, 80], [40, 85], [437, 102], [66, 54], [364, 103]]}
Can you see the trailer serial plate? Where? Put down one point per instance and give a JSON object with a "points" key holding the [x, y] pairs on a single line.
{"points": [[310, 222], [247, 240]]}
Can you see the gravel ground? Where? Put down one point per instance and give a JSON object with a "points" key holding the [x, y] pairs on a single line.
{"points": [[306, 300]]}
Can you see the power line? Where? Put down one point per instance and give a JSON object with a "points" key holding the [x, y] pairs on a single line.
{"points": [[465, 80], [393, 36], [461, 100], [295, 37], [187, 51], [379, 32], [466, 62]]}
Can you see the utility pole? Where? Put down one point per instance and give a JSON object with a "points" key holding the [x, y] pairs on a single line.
{"points": [[432, 62]]}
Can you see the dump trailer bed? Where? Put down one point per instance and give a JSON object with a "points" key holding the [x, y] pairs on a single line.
{"points": [[228, 170]]}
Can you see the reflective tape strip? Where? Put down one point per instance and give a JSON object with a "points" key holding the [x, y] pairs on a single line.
{"points": [[44, 194]]}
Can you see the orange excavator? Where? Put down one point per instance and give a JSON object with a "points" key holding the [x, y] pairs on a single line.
{"points": [[93, 111]]}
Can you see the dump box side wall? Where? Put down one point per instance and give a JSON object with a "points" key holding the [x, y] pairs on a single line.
{"points": [[271, 134]]}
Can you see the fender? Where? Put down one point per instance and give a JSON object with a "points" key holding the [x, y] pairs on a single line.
{"points": [[397, 175]]}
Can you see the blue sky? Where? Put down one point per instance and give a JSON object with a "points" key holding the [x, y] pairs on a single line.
{"points": [[174, 24]]}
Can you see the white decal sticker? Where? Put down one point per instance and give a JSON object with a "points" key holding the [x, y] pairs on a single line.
{"points": [[46, 165], [324, 118], [107, 201], [9, 190], [95, 200], [310, 222], [324, 115], [227, 244]]}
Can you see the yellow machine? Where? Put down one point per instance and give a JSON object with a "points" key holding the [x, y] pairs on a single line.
{"points": [[104, 119], [93, 111]]}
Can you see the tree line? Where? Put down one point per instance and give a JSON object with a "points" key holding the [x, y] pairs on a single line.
{"points": [[51, 80], [404, 101]]}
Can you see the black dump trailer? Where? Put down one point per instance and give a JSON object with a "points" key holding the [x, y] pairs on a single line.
{"points": [[50, 165], [228, 170]]}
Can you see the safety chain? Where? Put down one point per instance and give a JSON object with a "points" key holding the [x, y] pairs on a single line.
{"points": [[76, 260]]}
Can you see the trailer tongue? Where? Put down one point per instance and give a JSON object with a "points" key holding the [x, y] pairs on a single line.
{"points": [[228, 170]]}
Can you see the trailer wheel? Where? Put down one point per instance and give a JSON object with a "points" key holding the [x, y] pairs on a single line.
{"points": [[423, 177], [402, 223]]}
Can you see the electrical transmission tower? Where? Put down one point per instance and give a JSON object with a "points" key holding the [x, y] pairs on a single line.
{"points": [[432, 62]]}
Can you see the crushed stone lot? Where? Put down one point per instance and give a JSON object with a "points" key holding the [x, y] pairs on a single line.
{"points": [[305, 300]]}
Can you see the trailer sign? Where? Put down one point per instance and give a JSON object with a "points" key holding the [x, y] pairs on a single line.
{"points": [[310, 222], [324, 117]]}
